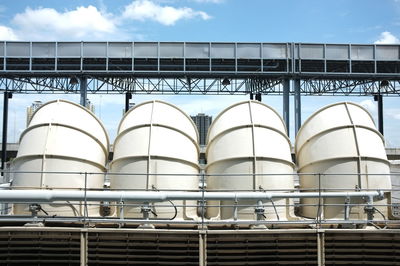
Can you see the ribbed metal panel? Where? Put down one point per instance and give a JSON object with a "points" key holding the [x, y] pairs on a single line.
{"points": [[39, 248], [122, 246], [262, 249], [143, 249], [362, 248]]}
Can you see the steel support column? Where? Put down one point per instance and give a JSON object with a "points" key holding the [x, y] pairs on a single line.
{"points": [[7, 95], [378, 98], [128, 96], [321, 248], [286, 90], [297, 106], [83, 90], [84, 248], [202, 248]]}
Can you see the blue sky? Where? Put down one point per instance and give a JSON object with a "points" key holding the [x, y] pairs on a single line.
{"points": [[328, 21]]}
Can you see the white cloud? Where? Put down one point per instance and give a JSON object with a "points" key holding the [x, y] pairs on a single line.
{"points": [[387, 38], [147, 10], [393, 113], [7, 34], [92, 23], [47, 23], [369, 105]]}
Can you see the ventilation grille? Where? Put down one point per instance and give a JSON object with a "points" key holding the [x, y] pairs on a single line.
{"points": [[39, 248], [362, 249], [262, 249], [143, 249]]}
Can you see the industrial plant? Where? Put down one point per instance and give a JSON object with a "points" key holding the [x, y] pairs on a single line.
{"points": [[174, 189]]}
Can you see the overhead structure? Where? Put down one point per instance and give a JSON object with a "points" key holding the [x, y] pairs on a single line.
{"points": [[156, 149], [339, 148], [200, 68], [248, 149], [62, 142]]}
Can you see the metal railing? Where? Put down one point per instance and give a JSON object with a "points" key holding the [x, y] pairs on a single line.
{"points": [[244, 207]]}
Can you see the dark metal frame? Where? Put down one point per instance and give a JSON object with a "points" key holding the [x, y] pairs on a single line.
{"points": [[188, 68]]}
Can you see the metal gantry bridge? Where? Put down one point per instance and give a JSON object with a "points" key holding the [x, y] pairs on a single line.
{"points": [[200, 68]]}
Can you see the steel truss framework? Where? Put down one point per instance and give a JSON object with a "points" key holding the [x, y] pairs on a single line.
{"points": [[185, 68], [199, 86]]}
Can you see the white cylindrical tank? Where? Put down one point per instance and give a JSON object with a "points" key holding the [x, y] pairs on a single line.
{"points": [[340, 146], [157, 149], [62, 142], [248, 149]]}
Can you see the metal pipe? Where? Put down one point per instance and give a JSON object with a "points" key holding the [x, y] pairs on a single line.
{"points": [[5, 186], [286, 91], [83, 90], [380, 113], [378, 98], [128, 96], [297, 106], [7, 95], [8, 218], [347, 209], [28, 196]]}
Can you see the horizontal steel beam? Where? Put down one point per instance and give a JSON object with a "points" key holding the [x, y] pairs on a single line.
{"points": [[223, 85]]}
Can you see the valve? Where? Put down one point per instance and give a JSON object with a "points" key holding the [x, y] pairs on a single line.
{"points": [[146, 209], [259, 210], [370, 210], [35, 208]]}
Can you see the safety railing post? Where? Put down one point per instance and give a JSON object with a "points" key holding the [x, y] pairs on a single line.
{"points": [[347, 208], [319, 218], [202, 199]]}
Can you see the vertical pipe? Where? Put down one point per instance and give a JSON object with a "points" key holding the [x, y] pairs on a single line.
{"points": [[347, 208], [83, 90], [286, 90], [128, 96], [84, 248], [321, 248], [297, 106], [7, 95], [202, 248], [378, 98], [380, 113]]}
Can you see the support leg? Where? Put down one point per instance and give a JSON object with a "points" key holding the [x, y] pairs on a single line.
{"points": [[128, 96], [378, 98], [297, 106], [258, 97], [7, 96], [202, 248], [321, 248], [84, 248], [286, 90], [83, 90]]}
